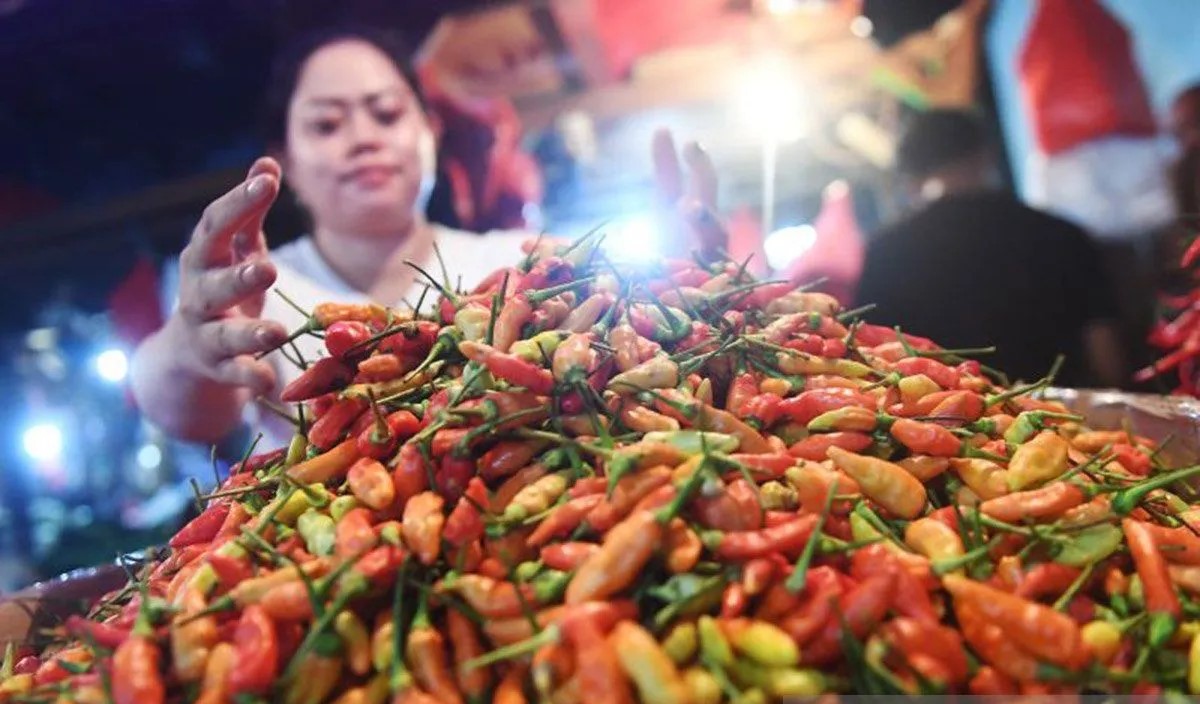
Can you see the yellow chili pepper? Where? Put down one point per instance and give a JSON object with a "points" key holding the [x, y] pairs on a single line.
{"points": [[1193, 670], [1038, 461], [702, 686], [681, 642], [652, 671], [914, 388], [883, 482], [762, 642], [986, 478], [356, 641], [191, 642], [1102, 639], [933, 539]]}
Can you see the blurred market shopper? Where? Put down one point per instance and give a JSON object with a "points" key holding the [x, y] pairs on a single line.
{"points": [[972, 266], [359, 149]]}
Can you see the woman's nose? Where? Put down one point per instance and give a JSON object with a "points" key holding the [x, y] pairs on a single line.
{"points": [[365, 132]]}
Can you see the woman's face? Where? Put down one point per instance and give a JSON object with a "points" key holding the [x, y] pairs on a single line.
{"points": [[360, 153]]}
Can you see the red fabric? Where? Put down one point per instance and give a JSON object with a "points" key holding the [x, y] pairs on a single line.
{"points": [[491, 178], [134, 305], [1078, 77]]}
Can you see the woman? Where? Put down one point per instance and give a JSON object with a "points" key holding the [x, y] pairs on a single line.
{"points": [[358, 150]]}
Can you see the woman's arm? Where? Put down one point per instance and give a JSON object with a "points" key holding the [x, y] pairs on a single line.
{"points": [[193, 376]]}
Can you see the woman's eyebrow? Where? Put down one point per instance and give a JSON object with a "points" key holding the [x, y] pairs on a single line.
{"points": [[342, 101]]}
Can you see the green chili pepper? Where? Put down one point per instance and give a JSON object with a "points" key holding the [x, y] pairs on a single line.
{"points": [[318, 531], [1125, 501], [694, 441], [1090, 545], [714, 646]]}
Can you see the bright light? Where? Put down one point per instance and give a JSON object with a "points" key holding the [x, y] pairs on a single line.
{"points": [[787, 244], [112, 365], [780, 7], [43, 442], [861, 27], [769, 101], [149, 456], [633, 239]]}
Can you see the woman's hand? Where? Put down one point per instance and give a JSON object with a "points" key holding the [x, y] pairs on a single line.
{"points": [[688, 201], [194, 375], [224, 273]]}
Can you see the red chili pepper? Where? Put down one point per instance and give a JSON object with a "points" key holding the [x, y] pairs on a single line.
{"points": [[587, 486], [736, 509], [411, 472], [599, 671], [925, 438], [1132, 459], [415, 338], [911, 597], [816, 447], [733, 601], [788, 539], [453, 474], [509, 367], [567, 556], [506, 457], [465, 522], [941, 374], [867, 335], [989, 681], [934, 650], [762, 410], [743, 387], [810, 404], [346, 335], [758, 573], [329, 428], [136, 678], [1049, 579], [354, 533], [103, 634], [257, 646], [765, 465], [778, 605], [563, 519], [325, 375], [1152, 569], [230, 571], [861, 609], [202, 528]]}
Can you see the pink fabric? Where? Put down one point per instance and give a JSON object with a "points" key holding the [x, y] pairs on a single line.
{"points": [[837, 254]]}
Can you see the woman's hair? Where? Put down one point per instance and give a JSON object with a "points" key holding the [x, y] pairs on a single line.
{"points": [[295, 51]]}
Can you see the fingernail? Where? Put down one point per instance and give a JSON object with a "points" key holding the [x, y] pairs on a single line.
{"points": [[257, 186], [251, 273], [266, 335]]}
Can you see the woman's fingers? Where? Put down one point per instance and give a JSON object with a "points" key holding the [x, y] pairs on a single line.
{"points": [[254, 374], [236, 210], [702, 175], [207, 294], [220, 340], [667, 174]]}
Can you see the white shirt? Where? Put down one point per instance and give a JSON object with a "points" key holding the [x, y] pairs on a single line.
{"points": [[308, 280]]}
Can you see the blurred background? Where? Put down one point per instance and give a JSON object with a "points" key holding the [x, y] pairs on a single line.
{"points": [[119, 122]]}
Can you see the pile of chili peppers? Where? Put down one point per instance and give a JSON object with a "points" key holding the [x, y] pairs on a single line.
{"points": [[1178, 335], [674, 485]]}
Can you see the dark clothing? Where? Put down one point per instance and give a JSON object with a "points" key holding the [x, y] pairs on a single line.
{"points": [[982, 269]]}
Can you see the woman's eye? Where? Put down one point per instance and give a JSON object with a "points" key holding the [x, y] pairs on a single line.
{"points": [[388, 116], [325, 127]]}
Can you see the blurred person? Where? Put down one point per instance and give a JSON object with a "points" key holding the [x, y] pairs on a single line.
{"points": [[1185, 173], [972, 266], [358, 147]]}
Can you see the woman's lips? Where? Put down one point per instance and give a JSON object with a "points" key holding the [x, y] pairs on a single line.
{"points": [[372, 177]]}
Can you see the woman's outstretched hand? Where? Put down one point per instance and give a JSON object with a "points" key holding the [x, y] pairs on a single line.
{"points": [[224, 274], [194, 375], [687, 191]]}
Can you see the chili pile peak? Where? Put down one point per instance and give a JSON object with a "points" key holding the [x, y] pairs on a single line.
{"points": [[670, 484]]}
